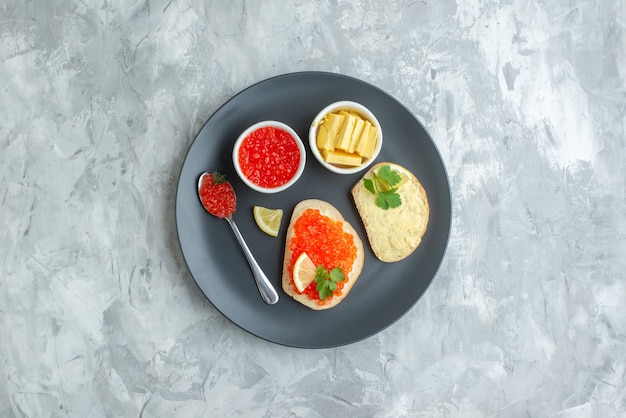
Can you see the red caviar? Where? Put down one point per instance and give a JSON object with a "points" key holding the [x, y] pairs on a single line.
{"points": [[217, 195], [269, 157], [326, 243]]}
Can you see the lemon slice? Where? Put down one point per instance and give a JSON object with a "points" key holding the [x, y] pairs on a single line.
{"points": [[384, 187], [268, 220], [303, 272]]}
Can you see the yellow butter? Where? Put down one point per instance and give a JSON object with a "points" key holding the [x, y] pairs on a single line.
{"points": [[356, 134], [370, 144], [342, 158], [324, 140], [328, 131], [345, 134], [345, 138], [363, 138]]}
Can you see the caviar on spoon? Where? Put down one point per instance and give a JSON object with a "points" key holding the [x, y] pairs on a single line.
{"points": [[218, 198]]}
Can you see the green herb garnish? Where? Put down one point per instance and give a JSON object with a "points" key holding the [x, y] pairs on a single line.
{"points": [[327, 281], [218, 178], [382, 185]]}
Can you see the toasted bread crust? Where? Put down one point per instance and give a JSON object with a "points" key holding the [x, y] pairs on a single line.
{"points": [[330, 211], [396, 233]]}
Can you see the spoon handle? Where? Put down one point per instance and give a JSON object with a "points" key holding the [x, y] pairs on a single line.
{"points": [[267, 291]]}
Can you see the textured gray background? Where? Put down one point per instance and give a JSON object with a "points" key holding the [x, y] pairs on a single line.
{"points": [[99, 103]]}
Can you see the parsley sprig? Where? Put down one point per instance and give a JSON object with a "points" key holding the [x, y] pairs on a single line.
{"points": [[382, 185], [218, 178], [327, 281]]}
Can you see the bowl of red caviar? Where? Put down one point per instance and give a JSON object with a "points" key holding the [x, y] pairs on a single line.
{"points": [[269, 156]]}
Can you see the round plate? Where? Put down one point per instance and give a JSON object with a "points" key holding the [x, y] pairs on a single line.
{"points": [[384, 291]]}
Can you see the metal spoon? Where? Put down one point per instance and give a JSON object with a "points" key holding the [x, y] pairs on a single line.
{"points": [[267, 291]]}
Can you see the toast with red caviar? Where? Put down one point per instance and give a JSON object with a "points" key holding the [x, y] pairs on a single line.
{"points": [[318, 229]]}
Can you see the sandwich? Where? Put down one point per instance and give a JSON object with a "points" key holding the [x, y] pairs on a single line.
{"points": [[394, 209], [323, 255]]}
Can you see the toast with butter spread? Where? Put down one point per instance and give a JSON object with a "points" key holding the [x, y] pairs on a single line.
{"points": [[393, 232]]}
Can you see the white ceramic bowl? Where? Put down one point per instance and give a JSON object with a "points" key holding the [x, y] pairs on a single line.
{"points": [[260, 125], [365, 113]]}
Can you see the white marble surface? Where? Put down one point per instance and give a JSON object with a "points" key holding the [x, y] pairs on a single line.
{"points": [[99, 102]]}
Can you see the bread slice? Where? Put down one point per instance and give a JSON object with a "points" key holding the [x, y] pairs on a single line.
{"points": [[394, 233], [326, 209]]}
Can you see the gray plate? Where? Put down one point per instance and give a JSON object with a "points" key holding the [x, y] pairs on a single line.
{"points": [[384, 291]]}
